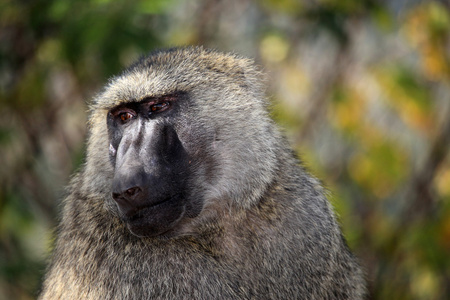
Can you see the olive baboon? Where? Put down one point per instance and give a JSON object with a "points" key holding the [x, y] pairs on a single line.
{"points": [[190, 192]]}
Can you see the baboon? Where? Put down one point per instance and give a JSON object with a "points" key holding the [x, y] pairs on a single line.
{"points": [[189, 191]]}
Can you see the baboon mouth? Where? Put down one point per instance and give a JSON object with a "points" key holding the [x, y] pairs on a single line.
{"points": [[145, 211], [157, 218]]}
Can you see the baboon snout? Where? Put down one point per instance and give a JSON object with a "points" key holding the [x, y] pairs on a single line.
{"points": [[151, 174]]}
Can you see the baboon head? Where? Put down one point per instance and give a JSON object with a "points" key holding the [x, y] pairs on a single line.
{"points": [[177, 133]]}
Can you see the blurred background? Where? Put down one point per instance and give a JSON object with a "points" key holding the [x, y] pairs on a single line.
{"points": [[361, 88]]}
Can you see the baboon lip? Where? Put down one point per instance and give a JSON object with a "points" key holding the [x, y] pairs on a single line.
{"points": [[144, 211], [156, 219]]}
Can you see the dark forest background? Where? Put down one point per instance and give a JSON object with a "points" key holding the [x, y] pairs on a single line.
{"points": [[361, 87]]}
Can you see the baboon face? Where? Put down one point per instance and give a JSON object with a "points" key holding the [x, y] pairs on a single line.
{"points": [[151, 165], [187, 132]]}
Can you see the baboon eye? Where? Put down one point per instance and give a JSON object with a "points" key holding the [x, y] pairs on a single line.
{"points": [[159, 107], [123, 115]]}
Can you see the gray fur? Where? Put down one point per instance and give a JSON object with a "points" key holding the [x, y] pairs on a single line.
{"points": [[266, 230]]}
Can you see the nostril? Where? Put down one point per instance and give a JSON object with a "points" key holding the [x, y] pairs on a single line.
{"points": [[127, 195], [132, 192], [115, 196]]}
